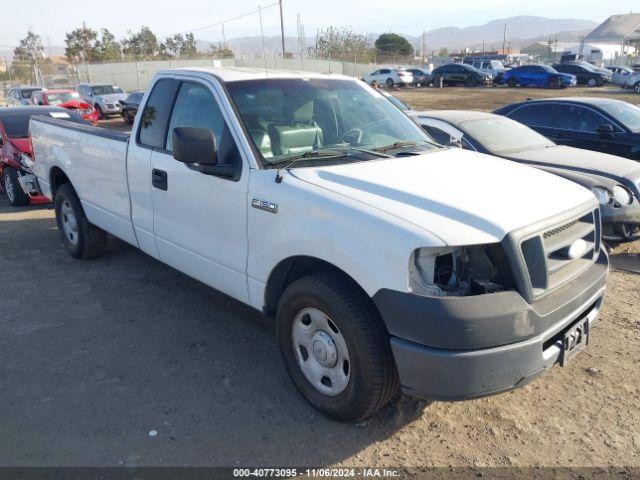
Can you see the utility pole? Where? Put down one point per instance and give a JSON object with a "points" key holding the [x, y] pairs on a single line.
{"points": [[224, 40], [424, 47], [504, 37], [282, 28]]}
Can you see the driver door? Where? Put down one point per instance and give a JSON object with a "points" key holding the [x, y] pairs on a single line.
{"points": [[200, 220]]}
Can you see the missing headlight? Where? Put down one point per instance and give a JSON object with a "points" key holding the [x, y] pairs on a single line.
{"points": [[460, 271]]}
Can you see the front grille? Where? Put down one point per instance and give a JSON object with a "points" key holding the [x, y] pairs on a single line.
{"points": [[556, 255]]}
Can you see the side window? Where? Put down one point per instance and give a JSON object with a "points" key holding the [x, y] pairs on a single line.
{"points": [[438, 135], [579, 119], [153, 122], [385, 71], [534, 115], [195, 107]]}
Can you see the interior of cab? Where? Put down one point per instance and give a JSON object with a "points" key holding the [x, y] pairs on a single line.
{"points": [[291, 117]]}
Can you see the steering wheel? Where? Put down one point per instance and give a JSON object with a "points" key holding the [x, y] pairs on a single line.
{"points": [[353, 136]]}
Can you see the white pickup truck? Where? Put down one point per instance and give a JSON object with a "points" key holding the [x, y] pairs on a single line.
{"points": [[387, 260]]}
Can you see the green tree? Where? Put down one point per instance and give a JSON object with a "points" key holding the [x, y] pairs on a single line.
{"points": [[108, 48], [79, 44], [26, 56], [141, 45], [189, 49], [443, 53], [342, 44], [393, 44]]}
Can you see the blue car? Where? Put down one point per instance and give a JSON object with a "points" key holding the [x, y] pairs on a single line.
{"points": [[537, 76]]}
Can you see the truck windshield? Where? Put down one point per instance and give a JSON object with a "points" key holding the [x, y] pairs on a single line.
{"points": [[502, 135], [290, 118], [106, 89]]}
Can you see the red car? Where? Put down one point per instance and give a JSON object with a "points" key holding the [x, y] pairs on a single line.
{"points": [[16, 176], [68, 99]]}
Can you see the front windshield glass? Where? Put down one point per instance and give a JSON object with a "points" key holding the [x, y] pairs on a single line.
{"points": [[502, 135], [58, 98], [290, 118], [106, 89], [626, 113]]}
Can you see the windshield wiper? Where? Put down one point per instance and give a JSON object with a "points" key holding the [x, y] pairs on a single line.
{"points": [[395, 146], [312, 155]]}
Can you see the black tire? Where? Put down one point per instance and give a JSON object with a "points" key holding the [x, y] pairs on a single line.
{"points": [[554, 83], [12, 188], [88, 240], [101, 115], [437, 80], [592, 82], [390, 83], [373, 377], [636, 87], [128, 117], [472, 82], [512, 82]]}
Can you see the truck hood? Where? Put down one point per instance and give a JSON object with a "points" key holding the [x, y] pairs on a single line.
{"points": [[459, 196], [587, 162]]}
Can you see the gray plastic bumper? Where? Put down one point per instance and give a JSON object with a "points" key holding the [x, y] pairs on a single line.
{"points": [[455, 349]]}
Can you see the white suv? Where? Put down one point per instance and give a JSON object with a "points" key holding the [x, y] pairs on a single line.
{"points": [[390, 77]]}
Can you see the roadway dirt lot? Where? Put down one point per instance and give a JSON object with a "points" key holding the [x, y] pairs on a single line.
{"points": [[96, 354]]}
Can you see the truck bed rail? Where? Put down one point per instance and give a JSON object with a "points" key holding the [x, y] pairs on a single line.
{"points": [[90, 129]]}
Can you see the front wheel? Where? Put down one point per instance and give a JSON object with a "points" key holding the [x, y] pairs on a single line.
{"points": [[554, 83], [12, 188], [81, 238], [335, 347], [101, 115], [512, 82], [472, 82], [390, 83], [636, 87], [592, 83]]}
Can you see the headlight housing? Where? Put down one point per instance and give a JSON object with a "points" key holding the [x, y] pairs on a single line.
{"points": [[459, 271], [622, 195], [603, 195], [24, 160]]}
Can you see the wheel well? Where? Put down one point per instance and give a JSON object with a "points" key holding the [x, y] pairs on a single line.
{"points": [[290, 270], [57, 178]]}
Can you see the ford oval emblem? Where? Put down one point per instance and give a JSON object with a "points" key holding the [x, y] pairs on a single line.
{"points": [[577, 249]]}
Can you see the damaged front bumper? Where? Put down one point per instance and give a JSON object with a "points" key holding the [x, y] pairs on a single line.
{"points": [[621, 222], [457, 348]]}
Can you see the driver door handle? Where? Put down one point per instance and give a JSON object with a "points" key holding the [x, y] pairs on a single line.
{"points": [[159, 179]]}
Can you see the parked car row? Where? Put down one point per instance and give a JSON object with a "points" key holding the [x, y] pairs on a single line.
{"points": [[463, 246], [472, 73]]}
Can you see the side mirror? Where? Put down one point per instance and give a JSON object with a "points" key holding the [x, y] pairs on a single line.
{"points": [[454, 143], [605, 130], [196, 147]]}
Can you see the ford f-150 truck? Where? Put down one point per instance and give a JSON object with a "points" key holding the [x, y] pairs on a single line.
{"points": [[387, 260]]}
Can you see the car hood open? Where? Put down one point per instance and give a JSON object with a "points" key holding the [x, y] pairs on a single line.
{"points": [[462, 197]]}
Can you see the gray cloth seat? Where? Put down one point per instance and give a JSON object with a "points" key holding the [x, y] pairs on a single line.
{"points": [[301, 136]]}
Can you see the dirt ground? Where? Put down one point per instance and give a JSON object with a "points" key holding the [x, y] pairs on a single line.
{"points": [[96, 354], [488, 99]]}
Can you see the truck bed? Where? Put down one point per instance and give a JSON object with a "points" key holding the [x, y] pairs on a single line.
{"points": [[95, 160]]}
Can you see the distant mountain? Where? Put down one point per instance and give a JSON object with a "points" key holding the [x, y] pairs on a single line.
{"points": [[519, 30]]}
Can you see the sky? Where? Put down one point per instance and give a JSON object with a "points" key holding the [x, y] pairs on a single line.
{"points": [[52, 18]]}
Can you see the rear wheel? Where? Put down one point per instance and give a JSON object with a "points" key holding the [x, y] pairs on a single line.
{"points": [[81, 238], [512, 82], [335, 347], [12, 188], [472, 82], [101, 116], [636, 87], [438, 82], [390, 83], [128, 117]]}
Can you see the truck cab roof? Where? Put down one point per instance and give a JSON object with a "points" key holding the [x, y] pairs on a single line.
{"points": [[236, 74]]}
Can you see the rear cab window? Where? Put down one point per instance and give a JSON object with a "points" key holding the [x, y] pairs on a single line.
{"points": [[155, 116]]}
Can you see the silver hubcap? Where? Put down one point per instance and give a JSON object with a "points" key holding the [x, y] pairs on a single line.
{"points": [[321, 351], [8, 188], [69, 223]]}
